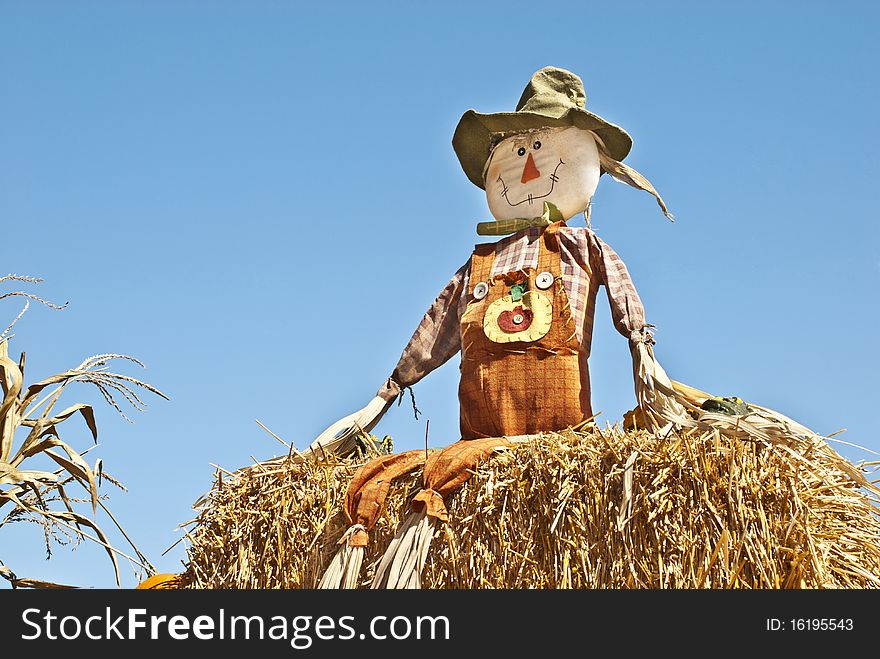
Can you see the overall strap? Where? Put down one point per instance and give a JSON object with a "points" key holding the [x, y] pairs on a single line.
{"points": [[549, 259], [481, 265]]}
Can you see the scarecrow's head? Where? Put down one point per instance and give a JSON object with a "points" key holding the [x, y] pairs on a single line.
{"points": [[559, 165], [550, 149]]}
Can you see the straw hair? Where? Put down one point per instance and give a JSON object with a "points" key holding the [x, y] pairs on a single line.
{"points": [[603, 509]]}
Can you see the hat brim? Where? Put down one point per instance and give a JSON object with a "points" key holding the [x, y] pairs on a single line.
{"points": [[476, 134]]}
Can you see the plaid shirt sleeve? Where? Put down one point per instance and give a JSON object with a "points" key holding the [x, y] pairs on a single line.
{"points": [[435, 341], [627, 311]]}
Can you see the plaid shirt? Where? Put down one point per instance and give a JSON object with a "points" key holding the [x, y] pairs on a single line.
{"points": [[587, 263]]}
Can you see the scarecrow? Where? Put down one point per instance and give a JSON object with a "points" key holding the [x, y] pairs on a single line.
{"points": [[520, 311]]}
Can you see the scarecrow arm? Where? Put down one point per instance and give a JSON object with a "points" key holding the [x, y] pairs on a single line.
{"points": [[435, 341], [659, 405], [627, 311]]}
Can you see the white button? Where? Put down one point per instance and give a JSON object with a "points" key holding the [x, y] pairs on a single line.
{"points": [[481, 290], [517, 319], [544, 280]]}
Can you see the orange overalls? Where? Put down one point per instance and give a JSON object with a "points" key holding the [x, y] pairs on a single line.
{"points": [[520, 367], [521, 374]]}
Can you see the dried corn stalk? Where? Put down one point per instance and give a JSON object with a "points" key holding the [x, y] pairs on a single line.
{"points": [[29, 429]]}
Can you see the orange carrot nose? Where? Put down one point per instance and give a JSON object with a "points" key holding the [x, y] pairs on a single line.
{"points": [[530, 171]]}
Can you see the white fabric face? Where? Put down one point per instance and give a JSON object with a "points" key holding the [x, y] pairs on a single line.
{"points": [[558, 165]]}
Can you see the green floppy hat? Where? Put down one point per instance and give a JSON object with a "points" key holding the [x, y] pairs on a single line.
{"points": [[553, 97]]}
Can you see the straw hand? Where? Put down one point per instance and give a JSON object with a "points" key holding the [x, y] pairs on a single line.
{"points": [[340, 437]]}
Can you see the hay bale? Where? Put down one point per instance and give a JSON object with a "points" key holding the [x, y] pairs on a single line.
{"points": [[605, 509]]}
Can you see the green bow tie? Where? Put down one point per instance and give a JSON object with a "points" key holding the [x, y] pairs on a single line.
{"points": [[550, 215]]}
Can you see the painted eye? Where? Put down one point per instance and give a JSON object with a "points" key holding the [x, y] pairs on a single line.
{"points": [[536, 145], [521, 151]]}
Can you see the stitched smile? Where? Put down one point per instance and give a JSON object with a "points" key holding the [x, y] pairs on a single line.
{"points": [[530, 198]]}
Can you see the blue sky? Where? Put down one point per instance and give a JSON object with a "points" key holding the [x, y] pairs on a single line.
{"points": [[260, 200]]}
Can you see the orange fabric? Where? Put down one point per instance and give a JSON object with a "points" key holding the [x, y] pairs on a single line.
{"points": [[432, 503], [359, 538], [448, 469], [520, 388], [368, 489]]}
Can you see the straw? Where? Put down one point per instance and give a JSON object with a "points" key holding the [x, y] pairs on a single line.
{"points": [[692, 508]]}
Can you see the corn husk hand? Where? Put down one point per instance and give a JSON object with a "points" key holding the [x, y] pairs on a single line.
{"points": [[341, 437], [666, 405]]}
